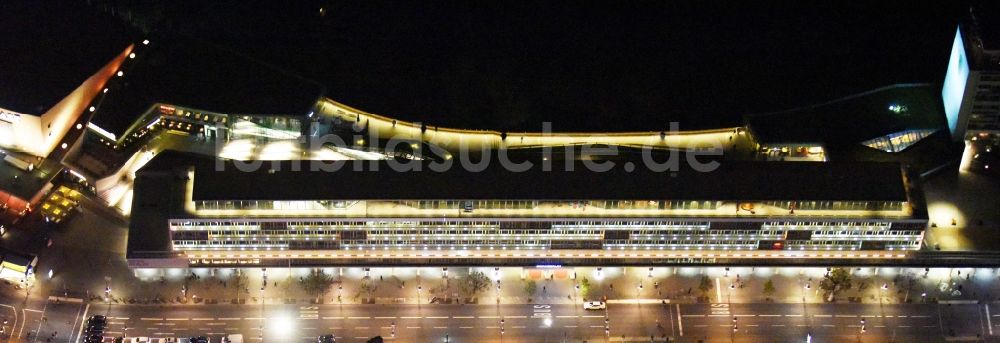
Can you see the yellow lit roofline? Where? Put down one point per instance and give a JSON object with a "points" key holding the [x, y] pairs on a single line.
{"points": [[104, 133]]}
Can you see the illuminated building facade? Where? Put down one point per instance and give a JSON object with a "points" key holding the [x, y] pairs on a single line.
{"points": [[272, 214], [971, 90]]}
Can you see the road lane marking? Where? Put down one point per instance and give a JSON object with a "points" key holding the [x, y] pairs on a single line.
{"points": [[391, 317], [151, 319], [770, 315], [793, 315], [229, 319], [202, 318], [410, 317], [484, 317], [722, 309], [463, 317], [359, 317], [464, 327], [822, 316], [988, 320], [777, 324], [680, 324], [412, 327], [440, 327], [438, 317]]}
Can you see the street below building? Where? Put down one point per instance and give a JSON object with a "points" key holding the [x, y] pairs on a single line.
{"points": [[625, 321]]}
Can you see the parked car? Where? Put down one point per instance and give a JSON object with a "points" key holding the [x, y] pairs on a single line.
{"points": [[326, 339]]}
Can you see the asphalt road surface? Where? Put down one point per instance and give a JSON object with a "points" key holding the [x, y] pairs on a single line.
{"points": [[557, 323]]}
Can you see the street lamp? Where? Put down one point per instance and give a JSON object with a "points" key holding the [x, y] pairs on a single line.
{"points": [[804, 290], [884, 287], [729, 294], [638, 290]]}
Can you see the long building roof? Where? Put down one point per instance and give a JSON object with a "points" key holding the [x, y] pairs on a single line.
{"points": [[732, 180]]}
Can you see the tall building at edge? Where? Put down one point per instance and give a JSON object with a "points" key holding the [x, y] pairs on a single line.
{"points": [[194, 212], [971, 90]]}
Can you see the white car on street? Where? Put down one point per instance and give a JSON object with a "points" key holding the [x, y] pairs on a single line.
{"points": [[594, 305]]}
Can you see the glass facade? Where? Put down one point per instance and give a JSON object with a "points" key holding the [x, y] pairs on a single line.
{"points": [[506, 234], [898, 141]]}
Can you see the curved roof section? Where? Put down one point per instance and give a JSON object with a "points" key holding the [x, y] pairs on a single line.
{"points": [[187, 72], [49, 48], [853, 119]]}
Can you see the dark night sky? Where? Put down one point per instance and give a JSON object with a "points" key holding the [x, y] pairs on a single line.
{"points": [[621, 65]]}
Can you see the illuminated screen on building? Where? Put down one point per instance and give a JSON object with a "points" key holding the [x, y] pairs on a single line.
{"points": [[955, 79]]}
